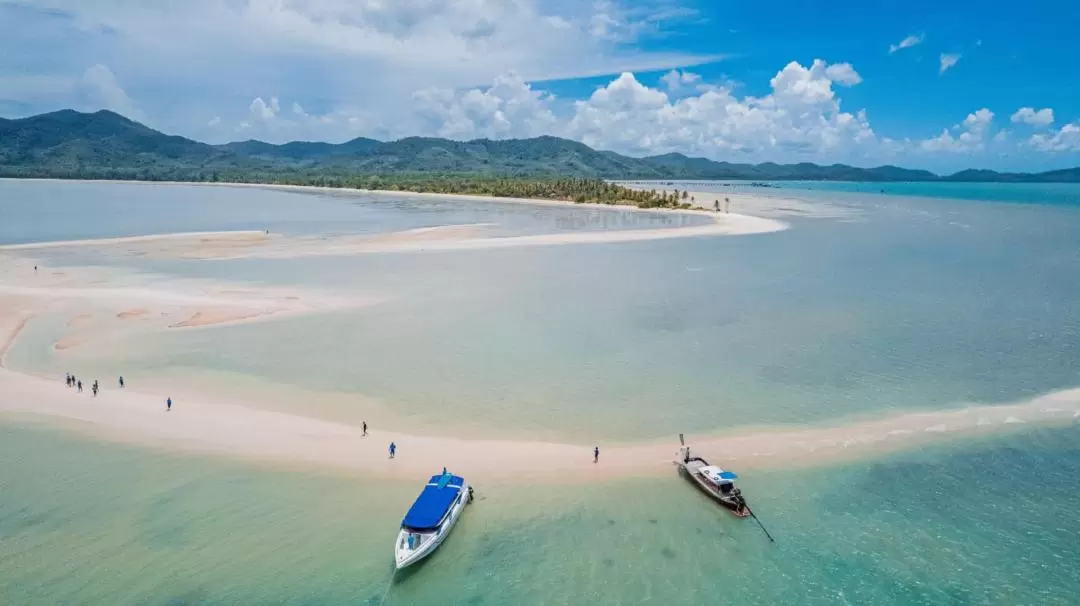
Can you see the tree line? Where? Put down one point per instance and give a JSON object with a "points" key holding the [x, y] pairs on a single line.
{"points": [[579, 190]]}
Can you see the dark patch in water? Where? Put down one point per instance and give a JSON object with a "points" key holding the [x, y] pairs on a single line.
{"points": [[659, 319], [164, 522], [476, 599], [667, 553], [22, 519], [652, 521], [608, 562], [611, 522], [189, 598]]}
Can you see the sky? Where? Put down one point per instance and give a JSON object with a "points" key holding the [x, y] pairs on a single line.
{"points": [[923, 84]]}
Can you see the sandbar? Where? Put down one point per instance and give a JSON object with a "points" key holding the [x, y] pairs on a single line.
{"points": [[213, 425]]}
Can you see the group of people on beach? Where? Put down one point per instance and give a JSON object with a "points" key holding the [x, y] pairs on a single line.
{"points": [[72, 381]]}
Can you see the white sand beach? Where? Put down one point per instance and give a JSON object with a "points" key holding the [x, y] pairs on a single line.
{"points": [[101, 302], [231, 426]]}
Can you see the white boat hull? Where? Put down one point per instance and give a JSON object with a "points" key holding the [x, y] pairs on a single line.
{"points": [[427, 541]]}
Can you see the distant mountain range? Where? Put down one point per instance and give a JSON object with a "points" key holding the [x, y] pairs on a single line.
{"points": [[104, 144]]}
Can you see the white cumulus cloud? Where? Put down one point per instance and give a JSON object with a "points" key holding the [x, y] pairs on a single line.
{"points": [[800, 117], [675, 79], [912, 40], [261, 110], [971, 135], [508, 108], [843, 73], [1067, 139], [947, 61], [103, 91], [1028, 115]]}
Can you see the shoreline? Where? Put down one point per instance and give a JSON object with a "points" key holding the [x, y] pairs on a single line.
{"points": [[210, 425], [446, 238], [237, 427], [699, 211], [198, 426]]}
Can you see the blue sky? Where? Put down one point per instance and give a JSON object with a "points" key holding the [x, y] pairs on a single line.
{"points": [[975, 84]]}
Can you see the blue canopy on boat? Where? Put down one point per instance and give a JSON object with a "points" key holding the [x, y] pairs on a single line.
{"points": [[434, 502], [728, 475]]}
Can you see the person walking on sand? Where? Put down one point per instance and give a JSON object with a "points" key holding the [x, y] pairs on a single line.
{"points": [[121, 381], [393, 449], [168, 404], [596, 454], [364, 426], [78, 384], [67, 379], [94, 388]]}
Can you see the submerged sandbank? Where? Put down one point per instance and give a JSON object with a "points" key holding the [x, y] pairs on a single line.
{"points": [[217, 236], [234, 245], [95, 301], [206, 426], [209, 424], [101, 304]]}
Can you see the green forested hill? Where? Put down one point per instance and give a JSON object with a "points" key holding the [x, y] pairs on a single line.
{"points": [[103, 144]]}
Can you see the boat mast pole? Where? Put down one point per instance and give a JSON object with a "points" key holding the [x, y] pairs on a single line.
{"points": [[752, 515]]}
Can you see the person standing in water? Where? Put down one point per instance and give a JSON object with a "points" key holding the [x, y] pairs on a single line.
{"points": [[393, 449], [596, 454], [168, 404], [364, 425]]}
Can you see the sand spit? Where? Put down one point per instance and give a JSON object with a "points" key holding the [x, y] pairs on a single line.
{"points": [[404, 242], [215, 427], [237, 245], [773, 205], [443, 238], [240, 236], [210, 317], [133, 313]]}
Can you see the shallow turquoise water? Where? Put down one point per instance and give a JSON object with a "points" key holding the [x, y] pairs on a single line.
{"points": [[58, 210], [922, 305], [989, 522], [916, 304], [1042, 194]]}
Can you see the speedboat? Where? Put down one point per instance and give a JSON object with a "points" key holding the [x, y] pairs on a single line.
{"points": [[431, 517], [713, 481]]}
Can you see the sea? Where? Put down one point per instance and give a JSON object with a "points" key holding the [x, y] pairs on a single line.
{"points": [[922, 298]]}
